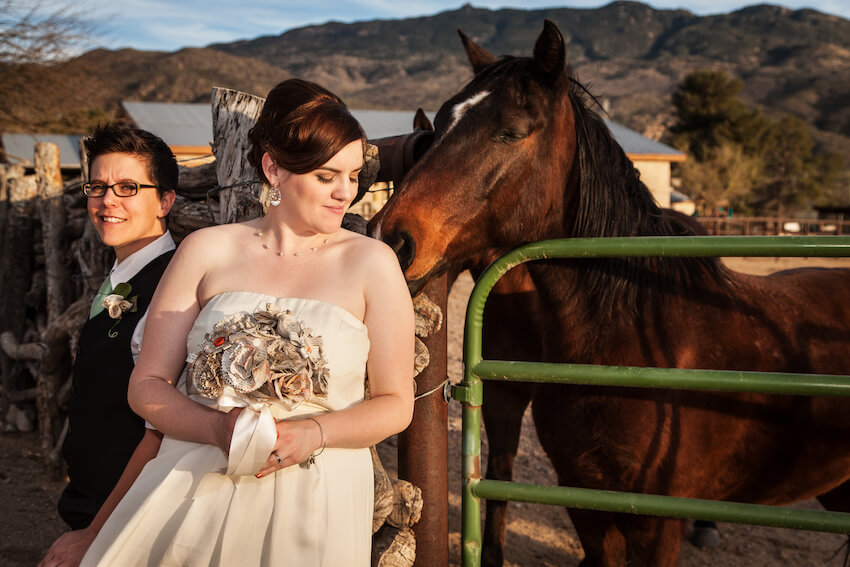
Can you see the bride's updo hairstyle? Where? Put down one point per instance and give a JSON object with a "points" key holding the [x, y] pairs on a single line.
{"points": [[301, 126]]}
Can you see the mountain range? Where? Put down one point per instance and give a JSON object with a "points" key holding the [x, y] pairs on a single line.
{"points": [[630, 55]]}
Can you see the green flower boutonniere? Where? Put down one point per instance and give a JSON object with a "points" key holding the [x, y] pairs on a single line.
{"points": [[119, 302]]}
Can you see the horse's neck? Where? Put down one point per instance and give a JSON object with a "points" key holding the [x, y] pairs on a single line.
{"points": [[572, 335]]}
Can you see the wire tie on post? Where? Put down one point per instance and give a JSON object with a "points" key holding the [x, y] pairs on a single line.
{"points": [[444, 385]]}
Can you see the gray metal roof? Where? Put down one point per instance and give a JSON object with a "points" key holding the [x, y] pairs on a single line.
{"points": [[635, 143], [678, 197], [179, 124], [22, 147], [190, 124], [385, 123]]}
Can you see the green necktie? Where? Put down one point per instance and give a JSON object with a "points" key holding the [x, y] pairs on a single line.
{"points": [[97, 303]]}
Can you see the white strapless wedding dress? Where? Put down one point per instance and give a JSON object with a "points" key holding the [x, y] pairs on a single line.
{"points": [[185, 510]]}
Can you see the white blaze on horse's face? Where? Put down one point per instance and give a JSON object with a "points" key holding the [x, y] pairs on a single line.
{"points": [[460, 108]]}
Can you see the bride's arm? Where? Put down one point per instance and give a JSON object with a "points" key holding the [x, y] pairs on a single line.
{"points": [[389, 320], [390, 323], [172, 312]]}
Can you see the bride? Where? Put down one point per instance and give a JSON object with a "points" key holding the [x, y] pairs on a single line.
{"points": [[277, 321]]}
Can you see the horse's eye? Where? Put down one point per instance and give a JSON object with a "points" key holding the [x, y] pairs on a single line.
{"points": [[508, 136]]}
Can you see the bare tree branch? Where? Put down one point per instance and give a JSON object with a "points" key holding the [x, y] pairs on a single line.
{"points": [[41, 31]]}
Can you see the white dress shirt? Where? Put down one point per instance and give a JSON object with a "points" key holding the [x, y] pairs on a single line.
{"points": [[132, 265]]}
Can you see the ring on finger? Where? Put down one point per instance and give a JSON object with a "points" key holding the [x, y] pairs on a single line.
{"points": [[277, 457]]}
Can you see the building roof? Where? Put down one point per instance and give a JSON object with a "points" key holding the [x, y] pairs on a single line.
{"points": [[179, 124], [678, 197], [20, 148], [638, 146], [385, 123], [190, 124]]}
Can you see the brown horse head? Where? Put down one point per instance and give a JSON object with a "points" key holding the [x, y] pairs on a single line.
{"points": [[496, 135]]}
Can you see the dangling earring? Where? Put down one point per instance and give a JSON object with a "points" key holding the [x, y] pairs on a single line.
{"points": [[275, 197]]}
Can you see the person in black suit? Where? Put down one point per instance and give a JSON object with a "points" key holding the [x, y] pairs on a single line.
{"points": [[133, 175]]}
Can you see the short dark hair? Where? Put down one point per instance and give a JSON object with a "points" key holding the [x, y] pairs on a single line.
{"points": [[158, 157], [302, 126]]}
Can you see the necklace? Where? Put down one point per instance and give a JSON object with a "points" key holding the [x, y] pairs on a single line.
{"points": [[259, 234]]}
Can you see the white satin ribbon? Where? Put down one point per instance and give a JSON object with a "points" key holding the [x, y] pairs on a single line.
{"points": [[254, 436]]}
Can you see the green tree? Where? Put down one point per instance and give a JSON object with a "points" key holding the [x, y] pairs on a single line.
{"points": [[791, 179], [709, 112], [725, 176], [834, 179], [739, 155]]}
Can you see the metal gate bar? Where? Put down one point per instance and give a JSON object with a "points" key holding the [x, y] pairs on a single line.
{"points": [[679, 378], [470, 390], [655, 505]]}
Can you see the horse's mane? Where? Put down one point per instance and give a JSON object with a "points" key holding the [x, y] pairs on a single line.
{"points": [[613, 201]]}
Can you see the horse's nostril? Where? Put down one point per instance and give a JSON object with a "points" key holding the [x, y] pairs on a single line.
{"points": [[404, 246]]}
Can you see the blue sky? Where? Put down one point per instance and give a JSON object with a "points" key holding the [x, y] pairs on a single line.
{"points": [[166, 25]]}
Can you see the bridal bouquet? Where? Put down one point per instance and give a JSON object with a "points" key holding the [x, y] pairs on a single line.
{"points": [[267, 354]]}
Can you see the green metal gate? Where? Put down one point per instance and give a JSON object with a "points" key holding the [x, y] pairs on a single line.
{"points": [[470, 390]]}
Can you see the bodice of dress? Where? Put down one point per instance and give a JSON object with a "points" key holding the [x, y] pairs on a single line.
{"points": [[345, 347]]}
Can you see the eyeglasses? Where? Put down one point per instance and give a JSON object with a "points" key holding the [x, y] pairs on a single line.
{"points": [[120, 189]]}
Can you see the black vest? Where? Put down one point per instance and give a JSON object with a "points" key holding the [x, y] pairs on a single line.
{"points": [[103, 430]]}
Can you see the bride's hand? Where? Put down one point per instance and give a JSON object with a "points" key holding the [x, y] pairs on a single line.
{"points": [[297, 440]]}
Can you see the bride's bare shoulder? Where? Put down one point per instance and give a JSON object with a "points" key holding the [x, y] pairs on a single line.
{"points": [[370, 257], [215, 241], [219, 233], [364, 247]]}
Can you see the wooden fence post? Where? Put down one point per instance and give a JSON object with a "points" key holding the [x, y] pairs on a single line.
{"points": [[4, 202], [234, 113], [7, 172], [51, 191], [423, 446], [16, 266], [51, 370]]}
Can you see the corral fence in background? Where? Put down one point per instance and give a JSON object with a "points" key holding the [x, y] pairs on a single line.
{"points": [[476, 369], [773, 226]]}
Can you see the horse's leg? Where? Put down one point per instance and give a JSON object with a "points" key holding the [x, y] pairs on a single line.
{"points": [[614, 540], [837, 499], [601, 539], [705, 534], [505, 405], [654, 542]]}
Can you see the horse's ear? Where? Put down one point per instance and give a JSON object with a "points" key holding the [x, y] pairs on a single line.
{"points": [[478, 57], [421, 122], [550, 55]]}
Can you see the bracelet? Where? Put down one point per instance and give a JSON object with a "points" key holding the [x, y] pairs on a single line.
{"points": [[321, 450]]}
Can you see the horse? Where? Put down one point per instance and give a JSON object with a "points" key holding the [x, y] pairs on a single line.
{"points": [[522, 127], [511, 331]]}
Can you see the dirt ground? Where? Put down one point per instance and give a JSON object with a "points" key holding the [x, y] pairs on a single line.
{"points": [[538, 535]]}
